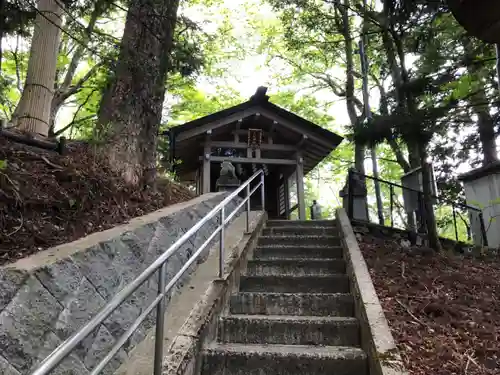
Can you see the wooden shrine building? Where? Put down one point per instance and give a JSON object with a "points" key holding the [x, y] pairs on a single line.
{"points": [[252, 135]]}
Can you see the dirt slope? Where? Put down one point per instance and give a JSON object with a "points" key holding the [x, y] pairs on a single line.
{"points": [[444, 310], [47, 199]]}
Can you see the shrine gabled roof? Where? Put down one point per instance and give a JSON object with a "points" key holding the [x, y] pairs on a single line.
{"points": [[320, 141], [261, 103]]}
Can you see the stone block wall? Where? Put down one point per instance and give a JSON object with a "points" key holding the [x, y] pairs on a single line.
{"points": [[46, 298]]}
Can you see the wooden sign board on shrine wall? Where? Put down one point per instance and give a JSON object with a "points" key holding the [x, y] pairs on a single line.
{"points": [[254, 138], [480, 19]]}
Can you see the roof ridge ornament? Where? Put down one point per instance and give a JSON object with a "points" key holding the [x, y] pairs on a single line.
{"points": [[260, 95]]}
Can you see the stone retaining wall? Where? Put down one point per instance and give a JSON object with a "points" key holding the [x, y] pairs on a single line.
{"points": [[45, 298], [376, 337]]}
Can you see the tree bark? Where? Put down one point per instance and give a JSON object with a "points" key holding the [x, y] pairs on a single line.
{"points": [[359, 150], [384, 110], [485, 123], [131, 107], [393, 46], [33, 111], [487, 137]]}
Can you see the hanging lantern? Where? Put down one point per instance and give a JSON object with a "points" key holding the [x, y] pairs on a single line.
{"points": [[480, 19]]}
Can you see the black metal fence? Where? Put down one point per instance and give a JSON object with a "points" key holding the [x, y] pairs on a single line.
{"points": [[403, 208]]}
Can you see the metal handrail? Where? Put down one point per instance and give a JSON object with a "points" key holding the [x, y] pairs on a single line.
{"points": [[393, 185], [63, 350]]}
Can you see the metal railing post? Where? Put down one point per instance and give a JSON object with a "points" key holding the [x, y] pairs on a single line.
{"points": [[391, 192], [455, 221], [483, 229], [262, 192], [160, 321], [421, 214], [248, 208], [221, 242]]}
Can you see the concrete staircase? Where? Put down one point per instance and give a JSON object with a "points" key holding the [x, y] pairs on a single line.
{"points": [[294, 313]]}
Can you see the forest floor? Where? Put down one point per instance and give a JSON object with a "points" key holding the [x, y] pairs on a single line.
{"points": [[443, 310], [47, 199]]}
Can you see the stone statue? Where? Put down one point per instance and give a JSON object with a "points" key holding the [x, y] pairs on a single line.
{"points": [[228, 179], [228, 170]]}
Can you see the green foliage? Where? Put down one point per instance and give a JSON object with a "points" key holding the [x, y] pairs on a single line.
{"points": [[307, 107], [190, 103], [450, 79], [16, 18], [12, 78]]}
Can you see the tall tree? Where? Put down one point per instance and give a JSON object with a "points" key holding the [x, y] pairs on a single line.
{"points": [[479, 99], [33, 111], [319, 40], [131, 107]]}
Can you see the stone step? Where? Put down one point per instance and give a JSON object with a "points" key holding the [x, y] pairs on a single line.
{"points": [[302, 304], [295, 267], [289, 330], [270, 252], [300, 230], [295, 284], [299, 240], [300, 223], [246, 359]]}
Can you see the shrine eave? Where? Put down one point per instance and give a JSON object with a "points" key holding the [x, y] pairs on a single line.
{"points": [[290, 132]]}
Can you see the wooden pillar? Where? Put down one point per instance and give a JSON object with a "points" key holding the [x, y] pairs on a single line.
{"points": [[197, 181], [287, 198], [300, 188], [206, 164]]}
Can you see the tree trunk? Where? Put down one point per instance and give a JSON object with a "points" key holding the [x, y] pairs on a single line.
{"points": [[486, 128], [33, 111], [359, 150], [393, 46], [430, 218], [485, 123], [131, 107], [384, 110], [390, 52]]}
